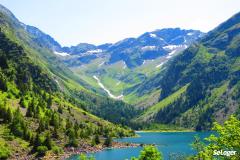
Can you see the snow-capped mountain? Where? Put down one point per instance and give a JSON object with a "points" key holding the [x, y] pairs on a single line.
{"points": [[151, 45], [133, 51]]}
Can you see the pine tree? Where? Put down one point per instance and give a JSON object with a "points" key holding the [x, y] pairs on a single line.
{"points": [[41, 126], [6, 114], [21, 102], [76, 128], [17, 123], [55, 133], [37, 111], [48, 141], [54, 121], [108, 141], [3, 82], [49, 102], [72, 139], [60, 109], [97, 139], [29, 112], [68, 124], [37, 141]]}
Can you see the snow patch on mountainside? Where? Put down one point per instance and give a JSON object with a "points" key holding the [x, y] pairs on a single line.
{"points": [[190, 34], [101, 64], [172, 52], [148, 48], [160, 65], [153, 35], [124, 65], [95, 51], [144, 62], [161, 38], [106, 90], [171, 47], [59, 84], [61, 53], [184, 40], [174, 47]]}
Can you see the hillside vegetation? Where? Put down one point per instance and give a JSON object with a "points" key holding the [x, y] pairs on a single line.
{"points": [[210, 69], [43, 107]]}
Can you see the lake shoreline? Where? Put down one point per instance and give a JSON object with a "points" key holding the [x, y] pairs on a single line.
{"points": [[163, 131], [87, 149], [166, 143]]}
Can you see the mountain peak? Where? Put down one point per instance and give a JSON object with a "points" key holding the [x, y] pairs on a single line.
{"points": [[204, 78], [235, 19], [6, 12]]}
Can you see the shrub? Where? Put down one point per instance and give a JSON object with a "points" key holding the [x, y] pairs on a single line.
{"points": [[227, 138], [4, 151], [149, 153], [41, 150], [57, 150]]}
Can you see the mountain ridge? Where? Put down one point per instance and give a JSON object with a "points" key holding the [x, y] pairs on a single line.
{"points": [[144, 57], [143, 51], [209, 67], [81, 48]]}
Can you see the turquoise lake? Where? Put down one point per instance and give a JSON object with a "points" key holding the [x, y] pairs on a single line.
{"points": [[167, 143]]}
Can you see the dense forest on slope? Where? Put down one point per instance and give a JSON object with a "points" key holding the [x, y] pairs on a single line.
{"points": [[42, 106], [201, 85], [33, 109], [39, 51]]}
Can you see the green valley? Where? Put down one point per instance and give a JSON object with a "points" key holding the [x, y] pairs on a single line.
{"points": [[44, 108], [163, 86]]}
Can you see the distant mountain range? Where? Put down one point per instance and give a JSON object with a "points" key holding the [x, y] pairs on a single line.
{"points": [[133, 51], [149, 52], [151, 45]]}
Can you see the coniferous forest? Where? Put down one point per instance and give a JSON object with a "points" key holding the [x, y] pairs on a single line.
{"points": [[53, 106]]}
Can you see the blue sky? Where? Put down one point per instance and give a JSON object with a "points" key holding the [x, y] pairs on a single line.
{"points": [[100, 21]]}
